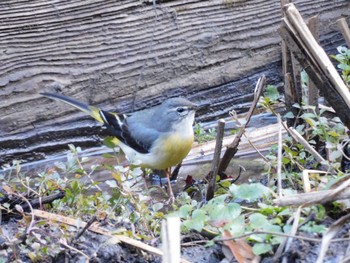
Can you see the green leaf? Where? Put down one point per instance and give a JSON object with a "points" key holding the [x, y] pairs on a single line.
{"points": [[223, 211], [197, 220], [312, 227], [342, 50], [112, 183], [261, 248], [335, 155], [108, 155], [184, 211], [344, 67], [258, 221], [296, 105], [333, 134], [137, 171], [271, 92], [249, 192], [308, 115], [304, 77], [311, 122], [108, 141], [75, 185], [157, 206], [236, 226], [6, 205], [217, 200], [289, 115], [285, 160]]}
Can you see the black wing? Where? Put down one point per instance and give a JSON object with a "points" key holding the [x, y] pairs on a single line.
{"points": [[117, 126]]}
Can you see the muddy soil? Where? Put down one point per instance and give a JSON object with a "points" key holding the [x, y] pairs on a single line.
{"points": [[101, 249]]}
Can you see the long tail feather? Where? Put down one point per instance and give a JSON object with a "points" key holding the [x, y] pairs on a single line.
{"points": [[91, 110]]}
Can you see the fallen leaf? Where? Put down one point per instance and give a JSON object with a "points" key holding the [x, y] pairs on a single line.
{"points": [[240, 249]]}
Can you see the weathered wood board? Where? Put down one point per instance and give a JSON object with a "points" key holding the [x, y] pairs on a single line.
{"points": [[127, 55]]}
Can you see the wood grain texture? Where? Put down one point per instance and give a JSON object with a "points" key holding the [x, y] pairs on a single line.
{"points": [[127, 55]]}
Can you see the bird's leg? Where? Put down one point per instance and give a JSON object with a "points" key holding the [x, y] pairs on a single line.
{"points": [[145, 179], [170, 190]]}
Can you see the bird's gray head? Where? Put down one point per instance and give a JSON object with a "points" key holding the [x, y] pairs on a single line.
{"points": [[175, 113]]}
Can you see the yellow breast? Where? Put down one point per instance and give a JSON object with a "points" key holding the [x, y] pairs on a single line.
{"points": [[172, 150]]}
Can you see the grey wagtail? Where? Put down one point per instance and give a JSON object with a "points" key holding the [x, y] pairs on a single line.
{"points": [[157, 138]]}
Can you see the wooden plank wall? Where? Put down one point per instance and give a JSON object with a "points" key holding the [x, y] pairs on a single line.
{"points": [[130, 54]]}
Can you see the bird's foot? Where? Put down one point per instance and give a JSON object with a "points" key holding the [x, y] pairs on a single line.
{"points": [[171, 200]]}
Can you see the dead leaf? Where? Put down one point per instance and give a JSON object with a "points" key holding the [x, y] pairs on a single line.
{"points": [[240, 249], [7, 189]]}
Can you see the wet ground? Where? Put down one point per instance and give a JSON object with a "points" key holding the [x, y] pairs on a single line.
{"points": [[100, 248]]}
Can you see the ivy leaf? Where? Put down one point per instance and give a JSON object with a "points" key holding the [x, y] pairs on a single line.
{"points": [[223, 211], [197, 220], [312, 227], [236, 226], [258, 221], [261, 248], [249, 192], [185, 210]]}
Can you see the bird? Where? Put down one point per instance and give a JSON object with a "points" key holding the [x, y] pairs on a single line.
{"points": [[157, 138]]}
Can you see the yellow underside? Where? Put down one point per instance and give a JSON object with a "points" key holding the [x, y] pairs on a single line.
{"points": [[173, 150], [169, 152]]}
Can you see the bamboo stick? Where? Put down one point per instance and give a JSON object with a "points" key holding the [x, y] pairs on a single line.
{"points": [[316, 51], [315, 62], [344, 29]]}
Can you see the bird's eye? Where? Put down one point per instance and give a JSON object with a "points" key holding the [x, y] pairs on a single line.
{"points": [[182, 110]]}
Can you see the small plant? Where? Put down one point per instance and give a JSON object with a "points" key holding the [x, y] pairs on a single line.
{"points": [[202, 135], [343, 58], [225, 213]]}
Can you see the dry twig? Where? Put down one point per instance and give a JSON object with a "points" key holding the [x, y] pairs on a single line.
{"points": [[216, 160], [320, 197], [233, 147], [328, 236], [97, 229], [279, 156]]}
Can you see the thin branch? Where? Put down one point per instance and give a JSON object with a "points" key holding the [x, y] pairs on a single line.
{"points": [[216, 160], [86, 227], [63, 243], [30, 227], [233, 147], [256, 149], [87, 174], [279, 156], [97, 229], [282, 235], [328, 236], [293, 231]]}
